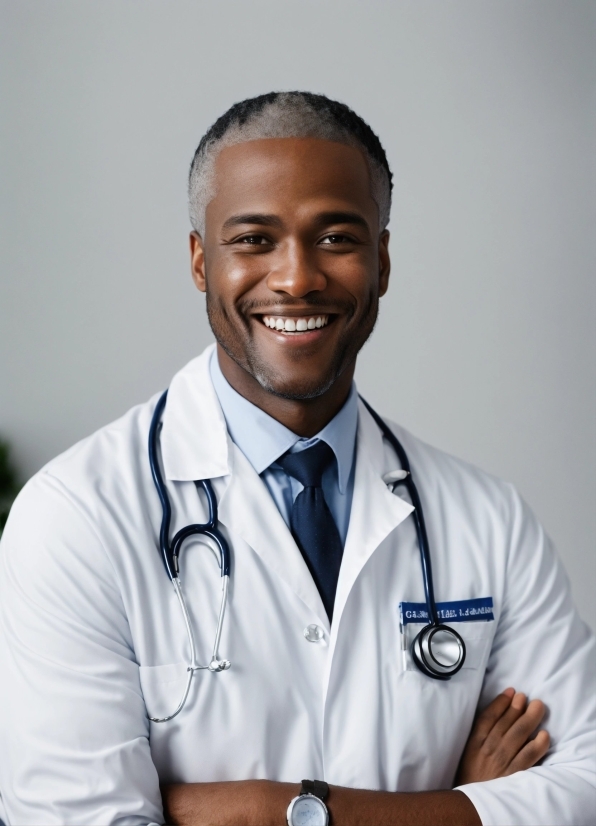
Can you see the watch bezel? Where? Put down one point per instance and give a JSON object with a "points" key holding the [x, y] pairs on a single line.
{"points": [[301, 797]]}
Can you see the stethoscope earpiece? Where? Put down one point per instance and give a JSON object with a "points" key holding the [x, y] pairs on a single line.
{"points": [[394, 477], [219, 665]]}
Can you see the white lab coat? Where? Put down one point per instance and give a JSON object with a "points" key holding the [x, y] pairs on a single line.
{"points": [[93, 638]]}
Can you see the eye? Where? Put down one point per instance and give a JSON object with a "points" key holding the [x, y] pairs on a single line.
{"points": [[335, 238], [252, 240]]}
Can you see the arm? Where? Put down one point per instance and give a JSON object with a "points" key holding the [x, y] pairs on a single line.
{"points": [[73, 724], [499, 745], [542, 646], [264, 803]]}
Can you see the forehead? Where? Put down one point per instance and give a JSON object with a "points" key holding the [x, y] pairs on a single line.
{"points": [[286, 174]]}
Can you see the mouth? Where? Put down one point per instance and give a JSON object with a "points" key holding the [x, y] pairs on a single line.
{"points": [[293, 326]]}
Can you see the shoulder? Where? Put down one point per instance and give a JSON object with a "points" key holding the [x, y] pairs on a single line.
{"points": [[96, 502], [101, 468], [461, 487], [113, 463], [61, 518], [112, 447], [427, 461]]}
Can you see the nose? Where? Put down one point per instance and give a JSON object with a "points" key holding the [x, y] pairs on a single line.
{"points": [[295, 272]]}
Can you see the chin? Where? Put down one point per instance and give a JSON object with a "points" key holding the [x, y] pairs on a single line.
{"points": [[292, 388]]}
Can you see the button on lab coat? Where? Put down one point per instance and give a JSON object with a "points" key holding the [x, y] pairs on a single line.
{"points": [[93, 639]]}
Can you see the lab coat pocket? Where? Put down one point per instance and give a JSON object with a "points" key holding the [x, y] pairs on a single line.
{"points": [[163, 687], [477, 637]]}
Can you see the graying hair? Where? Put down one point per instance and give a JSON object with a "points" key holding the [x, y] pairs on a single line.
{"points": [[288, 115]]}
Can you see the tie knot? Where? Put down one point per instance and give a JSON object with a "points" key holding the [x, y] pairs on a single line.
{"points": [[308, 466]]}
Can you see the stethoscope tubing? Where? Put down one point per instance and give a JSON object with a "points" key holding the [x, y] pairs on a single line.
{"points": [[418, 513], [422, 651], [164, 499], [170, 551], [422, 647]]}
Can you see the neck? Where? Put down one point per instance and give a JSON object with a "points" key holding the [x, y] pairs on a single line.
{"points": [[304, 417]]}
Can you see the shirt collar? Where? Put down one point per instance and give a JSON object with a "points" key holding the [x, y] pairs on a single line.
{"points": [[263, 439]]}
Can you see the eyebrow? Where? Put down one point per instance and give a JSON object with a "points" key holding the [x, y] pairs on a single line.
{"points": [[323, 219], [326, 218], [258, 218]]}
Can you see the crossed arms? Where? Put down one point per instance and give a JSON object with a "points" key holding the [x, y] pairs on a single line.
{"points": [[73, 720], [501, 743]]}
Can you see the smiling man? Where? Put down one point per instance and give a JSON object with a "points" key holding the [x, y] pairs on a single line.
{"points": [[290, 242], [329, 526]]}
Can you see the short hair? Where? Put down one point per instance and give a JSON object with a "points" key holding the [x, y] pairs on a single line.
{"points": [[286, 115]]}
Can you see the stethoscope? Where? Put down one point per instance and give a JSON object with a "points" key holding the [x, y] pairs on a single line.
{"points": [[170, 552], [437, 650]]}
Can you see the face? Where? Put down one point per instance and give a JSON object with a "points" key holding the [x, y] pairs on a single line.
{"points": [[292, 261]]}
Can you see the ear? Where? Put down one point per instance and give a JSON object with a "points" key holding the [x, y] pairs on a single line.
{"points": [[197, 261], [384, 262]]}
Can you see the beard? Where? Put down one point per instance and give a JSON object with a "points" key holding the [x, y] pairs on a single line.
{"points": [[233, 334]]}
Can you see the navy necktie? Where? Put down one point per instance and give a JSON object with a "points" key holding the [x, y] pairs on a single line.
{"points": [[312, 524]]}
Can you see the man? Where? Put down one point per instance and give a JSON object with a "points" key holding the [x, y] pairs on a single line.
{"points": [[289, 201]]}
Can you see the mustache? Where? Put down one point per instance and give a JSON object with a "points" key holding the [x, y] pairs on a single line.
{"points": [[314, 302]]}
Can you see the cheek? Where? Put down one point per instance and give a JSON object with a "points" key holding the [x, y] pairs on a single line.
{"points": [[230, 280], [356, 275], [362, 290]]}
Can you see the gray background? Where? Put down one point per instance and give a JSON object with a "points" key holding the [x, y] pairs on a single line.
{"points": [[485, 343]]}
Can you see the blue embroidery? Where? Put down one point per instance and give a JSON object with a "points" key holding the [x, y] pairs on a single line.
{"points": [[464, 610]]}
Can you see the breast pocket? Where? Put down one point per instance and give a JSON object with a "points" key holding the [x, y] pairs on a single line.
{"points": [[163, 687], [431, 718], [477, 637]]}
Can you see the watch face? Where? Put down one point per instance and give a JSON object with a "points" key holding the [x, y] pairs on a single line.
{"points": [[308, 810]]}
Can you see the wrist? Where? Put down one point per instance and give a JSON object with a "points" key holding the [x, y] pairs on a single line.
{"points": [[309, 805], [274, 803]]}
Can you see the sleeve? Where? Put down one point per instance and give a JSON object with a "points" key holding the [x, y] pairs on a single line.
{"points": [[542, 648], [73, 723]]}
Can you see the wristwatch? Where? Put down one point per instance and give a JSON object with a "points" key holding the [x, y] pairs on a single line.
{"points": [[308, 809]]}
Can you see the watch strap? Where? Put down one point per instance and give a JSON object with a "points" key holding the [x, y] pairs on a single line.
{"points": [[318, 788]]}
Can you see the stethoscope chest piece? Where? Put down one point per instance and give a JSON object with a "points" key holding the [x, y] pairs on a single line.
{"points": [[439, 651]]}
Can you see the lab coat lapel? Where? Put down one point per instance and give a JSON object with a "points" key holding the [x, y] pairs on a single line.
{"points": [[195, 445], [376, 512], [248, 510], [194, 437]]}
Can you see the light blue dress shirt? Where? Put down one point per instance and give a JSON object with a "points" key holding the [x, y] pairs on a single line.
{"points": [[263, 440]]}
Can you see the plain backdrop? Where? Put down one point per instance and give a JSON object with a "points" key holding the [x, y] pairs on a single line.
{"points": [[485, 343]]}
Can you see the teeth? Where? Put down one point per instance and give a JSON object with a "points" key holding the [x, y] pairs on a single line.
{"points": [[293, 325]]}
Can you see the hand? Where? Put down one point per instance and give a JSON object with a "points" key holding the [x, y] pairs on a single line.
{"points": [[499, 743]]}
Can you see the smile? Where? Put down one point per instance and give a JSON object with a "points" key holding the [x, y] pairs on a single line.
{"points": [[285, 324]]}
